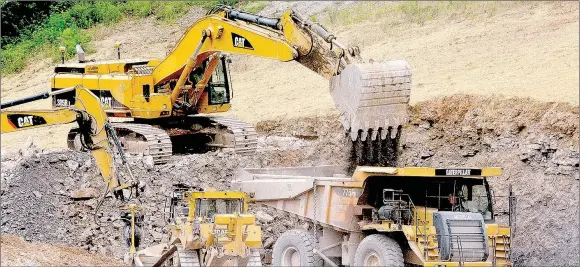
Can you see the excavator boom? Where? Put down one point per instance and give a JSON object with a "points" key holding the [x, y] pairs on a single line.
{"points": [[87, 112], [371, 97], [168, 99]]}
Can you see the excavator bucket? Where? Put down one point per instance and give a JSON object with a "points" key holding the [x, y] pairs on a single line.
{"points": [[372, 98]]}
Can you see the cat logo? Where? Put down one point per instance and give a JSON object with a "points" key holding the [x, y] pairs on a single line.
{"points": [[458, 172], [219, 232], [241, 42], [107, 102], [25, 120]]}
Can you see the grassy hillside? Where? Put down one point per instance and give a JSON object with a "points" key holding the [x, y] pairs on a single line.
{"points": [[74, 26], [506, 49]]}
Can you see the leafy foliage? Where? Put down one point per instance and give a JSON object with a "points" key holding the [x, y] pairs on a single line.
{"points": [[64, 23]]}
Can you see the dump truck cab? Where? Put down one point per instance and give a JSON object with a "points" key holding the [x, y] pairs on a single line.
{"points": [[386, 216]]}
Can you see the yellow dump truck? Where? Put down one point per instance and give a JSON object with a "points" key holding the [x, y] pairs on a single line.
{"points": [[383, 216]]}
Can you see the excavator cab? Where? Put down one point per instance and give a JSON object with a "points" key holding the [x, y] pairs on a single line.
{"points": [[219, 85]]}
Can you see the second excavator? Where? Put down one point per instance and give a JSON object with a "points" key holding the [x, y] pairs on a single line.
{"points": [[168, 100]]}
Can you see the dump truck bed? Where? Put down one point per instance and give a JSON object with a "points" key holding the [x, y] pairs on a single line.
{"points": [[283, 183], [326, 194], [292, 190]]}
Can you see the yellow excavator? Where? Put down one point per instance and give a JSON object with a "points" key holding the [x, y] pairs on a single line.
{"points": [[95, 134], [95, 131], [168, 100]]}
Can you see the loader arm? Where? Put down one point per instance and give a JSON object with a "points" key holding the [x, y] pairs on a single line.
{"points": [[89, 115], [372, 98]]}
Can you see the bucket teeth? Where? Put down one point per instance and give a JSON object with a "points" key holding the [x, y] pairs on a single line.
{"points": [[372, 96], [384, 134], [374, 134], [372, 99]]}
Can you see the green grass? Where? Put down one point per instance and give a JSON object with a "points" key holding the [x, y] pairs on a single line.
{"points": [[412, 12], [69, 28], [253, 7]]}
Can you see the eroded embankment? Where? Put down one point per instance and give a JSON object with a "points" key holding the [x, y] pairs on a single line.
{"points": [[17, 252], [536, 144]]}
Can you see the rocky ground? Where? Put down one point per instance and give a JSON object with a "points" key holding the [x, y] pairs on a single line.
{"points": [[536, 144], [17, 252]]}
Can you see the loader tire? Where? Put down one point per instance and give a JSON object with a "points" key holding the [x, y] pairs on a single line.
{"points": [[295, 248], [127, 235], [378, 250]]}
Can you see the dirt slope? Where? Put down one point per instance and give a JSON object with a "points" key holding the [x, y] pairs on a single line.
{"points": [[535, 144], [524, 50], [17, 252], [529, 50]]}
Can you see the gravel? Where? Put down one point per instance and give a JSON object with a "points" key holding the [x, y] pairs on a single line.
{"points": [[536, 145]]}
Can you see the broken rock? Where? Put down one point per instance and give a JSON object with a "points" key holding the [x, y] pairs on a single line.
{"points": [[84, 193], [264, 217], [268, 242], [425, 154], [73, 165], [148, 162], [37, 194]]}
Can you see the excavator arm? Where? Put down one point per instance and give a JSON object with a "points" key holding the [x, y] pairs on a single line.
{"points": [[371, 97], [91, 118]]}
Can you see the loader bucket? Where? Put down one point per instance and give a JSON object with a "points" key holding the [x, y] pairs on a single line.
{"points": [[372, 98]]}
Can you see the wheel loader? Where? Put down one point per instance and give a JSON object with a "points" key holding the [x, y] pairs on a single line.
{"points": [[207, 228], [383, 216], [170, 101]]}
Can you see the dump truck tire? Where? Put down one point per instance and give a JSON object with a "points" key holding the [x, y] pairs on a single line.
{"points": [[378, 250], [295, 248]]}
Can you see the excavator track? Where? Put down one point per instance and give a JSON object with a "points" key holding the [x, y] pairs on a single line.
{"points": [[223, 132], [187, 258], [238, 135], [156, 144], [147, 139]]}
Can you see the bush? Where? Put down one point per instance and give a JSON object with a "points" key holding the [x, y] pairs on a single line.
{"points": [[138, 9], [13, 56], [106, 12], [69, 38], [170, 10], [81, 15], [86, 15], [65, 27]]}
